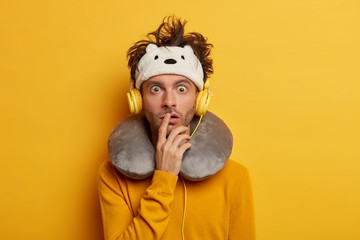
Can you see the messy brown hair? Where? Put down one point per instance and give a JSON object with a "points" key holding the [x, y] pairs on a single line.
{"points": [[171, 33]]}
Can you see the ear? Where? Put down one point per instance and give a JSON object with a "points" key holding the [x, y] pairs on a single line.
{"points": [[188, 49], [151, 47]]}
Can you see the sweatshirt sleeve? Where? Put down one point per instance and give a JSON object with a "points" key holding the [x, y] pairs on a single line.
{"points": [[242, 223], [154, 210]]}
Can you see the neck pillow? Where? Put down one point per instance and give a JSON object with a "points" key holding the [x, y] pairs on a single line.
{"points": [[133, 154]]}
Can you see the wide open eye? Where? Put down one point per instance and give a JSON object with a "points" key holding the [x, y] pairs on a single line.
{"points": [[155, 89], [182, 89]]}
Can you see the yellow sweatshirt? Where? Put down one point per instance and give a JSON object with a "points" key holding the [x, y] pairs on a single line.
{"points": [[220, 207]]}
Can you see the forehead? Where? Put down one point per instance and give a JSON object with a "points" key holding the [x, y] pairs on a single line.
{"points": [[169, 80]]}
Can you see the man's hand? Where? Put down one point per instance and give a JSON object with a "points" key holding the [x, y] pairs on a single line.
{"points": [[170, 150]]}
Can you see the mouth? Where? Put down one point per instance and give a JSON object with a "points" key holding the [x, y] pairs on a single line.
{"points": [[174, 118]]}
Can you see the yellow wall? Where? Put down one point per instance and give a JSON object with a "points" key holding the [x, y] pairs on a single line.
{"points": [[286, 82]]}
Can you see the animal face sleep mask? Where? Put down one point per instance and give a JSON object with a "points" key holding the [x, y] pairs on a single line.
{"points": [[169, 60], [132, 153]]}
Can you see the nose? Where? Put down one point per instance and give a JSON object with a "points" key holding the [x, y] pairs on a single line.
{"points": [[169, 100]]}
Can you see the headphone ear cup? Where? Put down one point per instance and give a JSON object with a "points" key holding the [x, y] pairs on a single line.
{"points": [[130, 103], [138, 98], [134, 101], [202, 102]]}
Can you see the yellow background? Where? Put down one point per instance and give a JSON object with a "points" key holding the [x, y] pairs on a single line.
{"points": [[286, 82]]}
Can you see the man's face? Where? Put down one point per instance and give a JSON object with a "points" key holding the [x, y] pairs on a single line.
{"points": [[169, 93]]}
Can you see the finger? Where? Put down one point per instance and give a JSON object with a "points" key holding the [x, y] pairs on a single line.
{"points": [[180, 140], [175, 132], [184, 147], [163, 128], [184, 141]]}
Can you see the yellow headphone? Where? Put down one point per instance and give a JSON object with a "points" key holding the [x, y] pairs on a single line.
{"points": [[202, 101], [134, 100]]}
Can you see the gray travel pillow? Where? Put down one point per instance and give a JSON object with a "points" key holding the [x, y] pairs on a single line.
{"points": [[132, 152]]}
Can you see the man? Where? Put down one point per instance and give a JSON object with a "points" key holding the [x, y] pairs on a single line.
{"points": [[161, 183]]}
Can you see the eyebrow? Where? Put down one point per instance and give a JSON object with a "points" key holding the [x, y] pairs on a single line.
{"points": [[187, 81]]}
